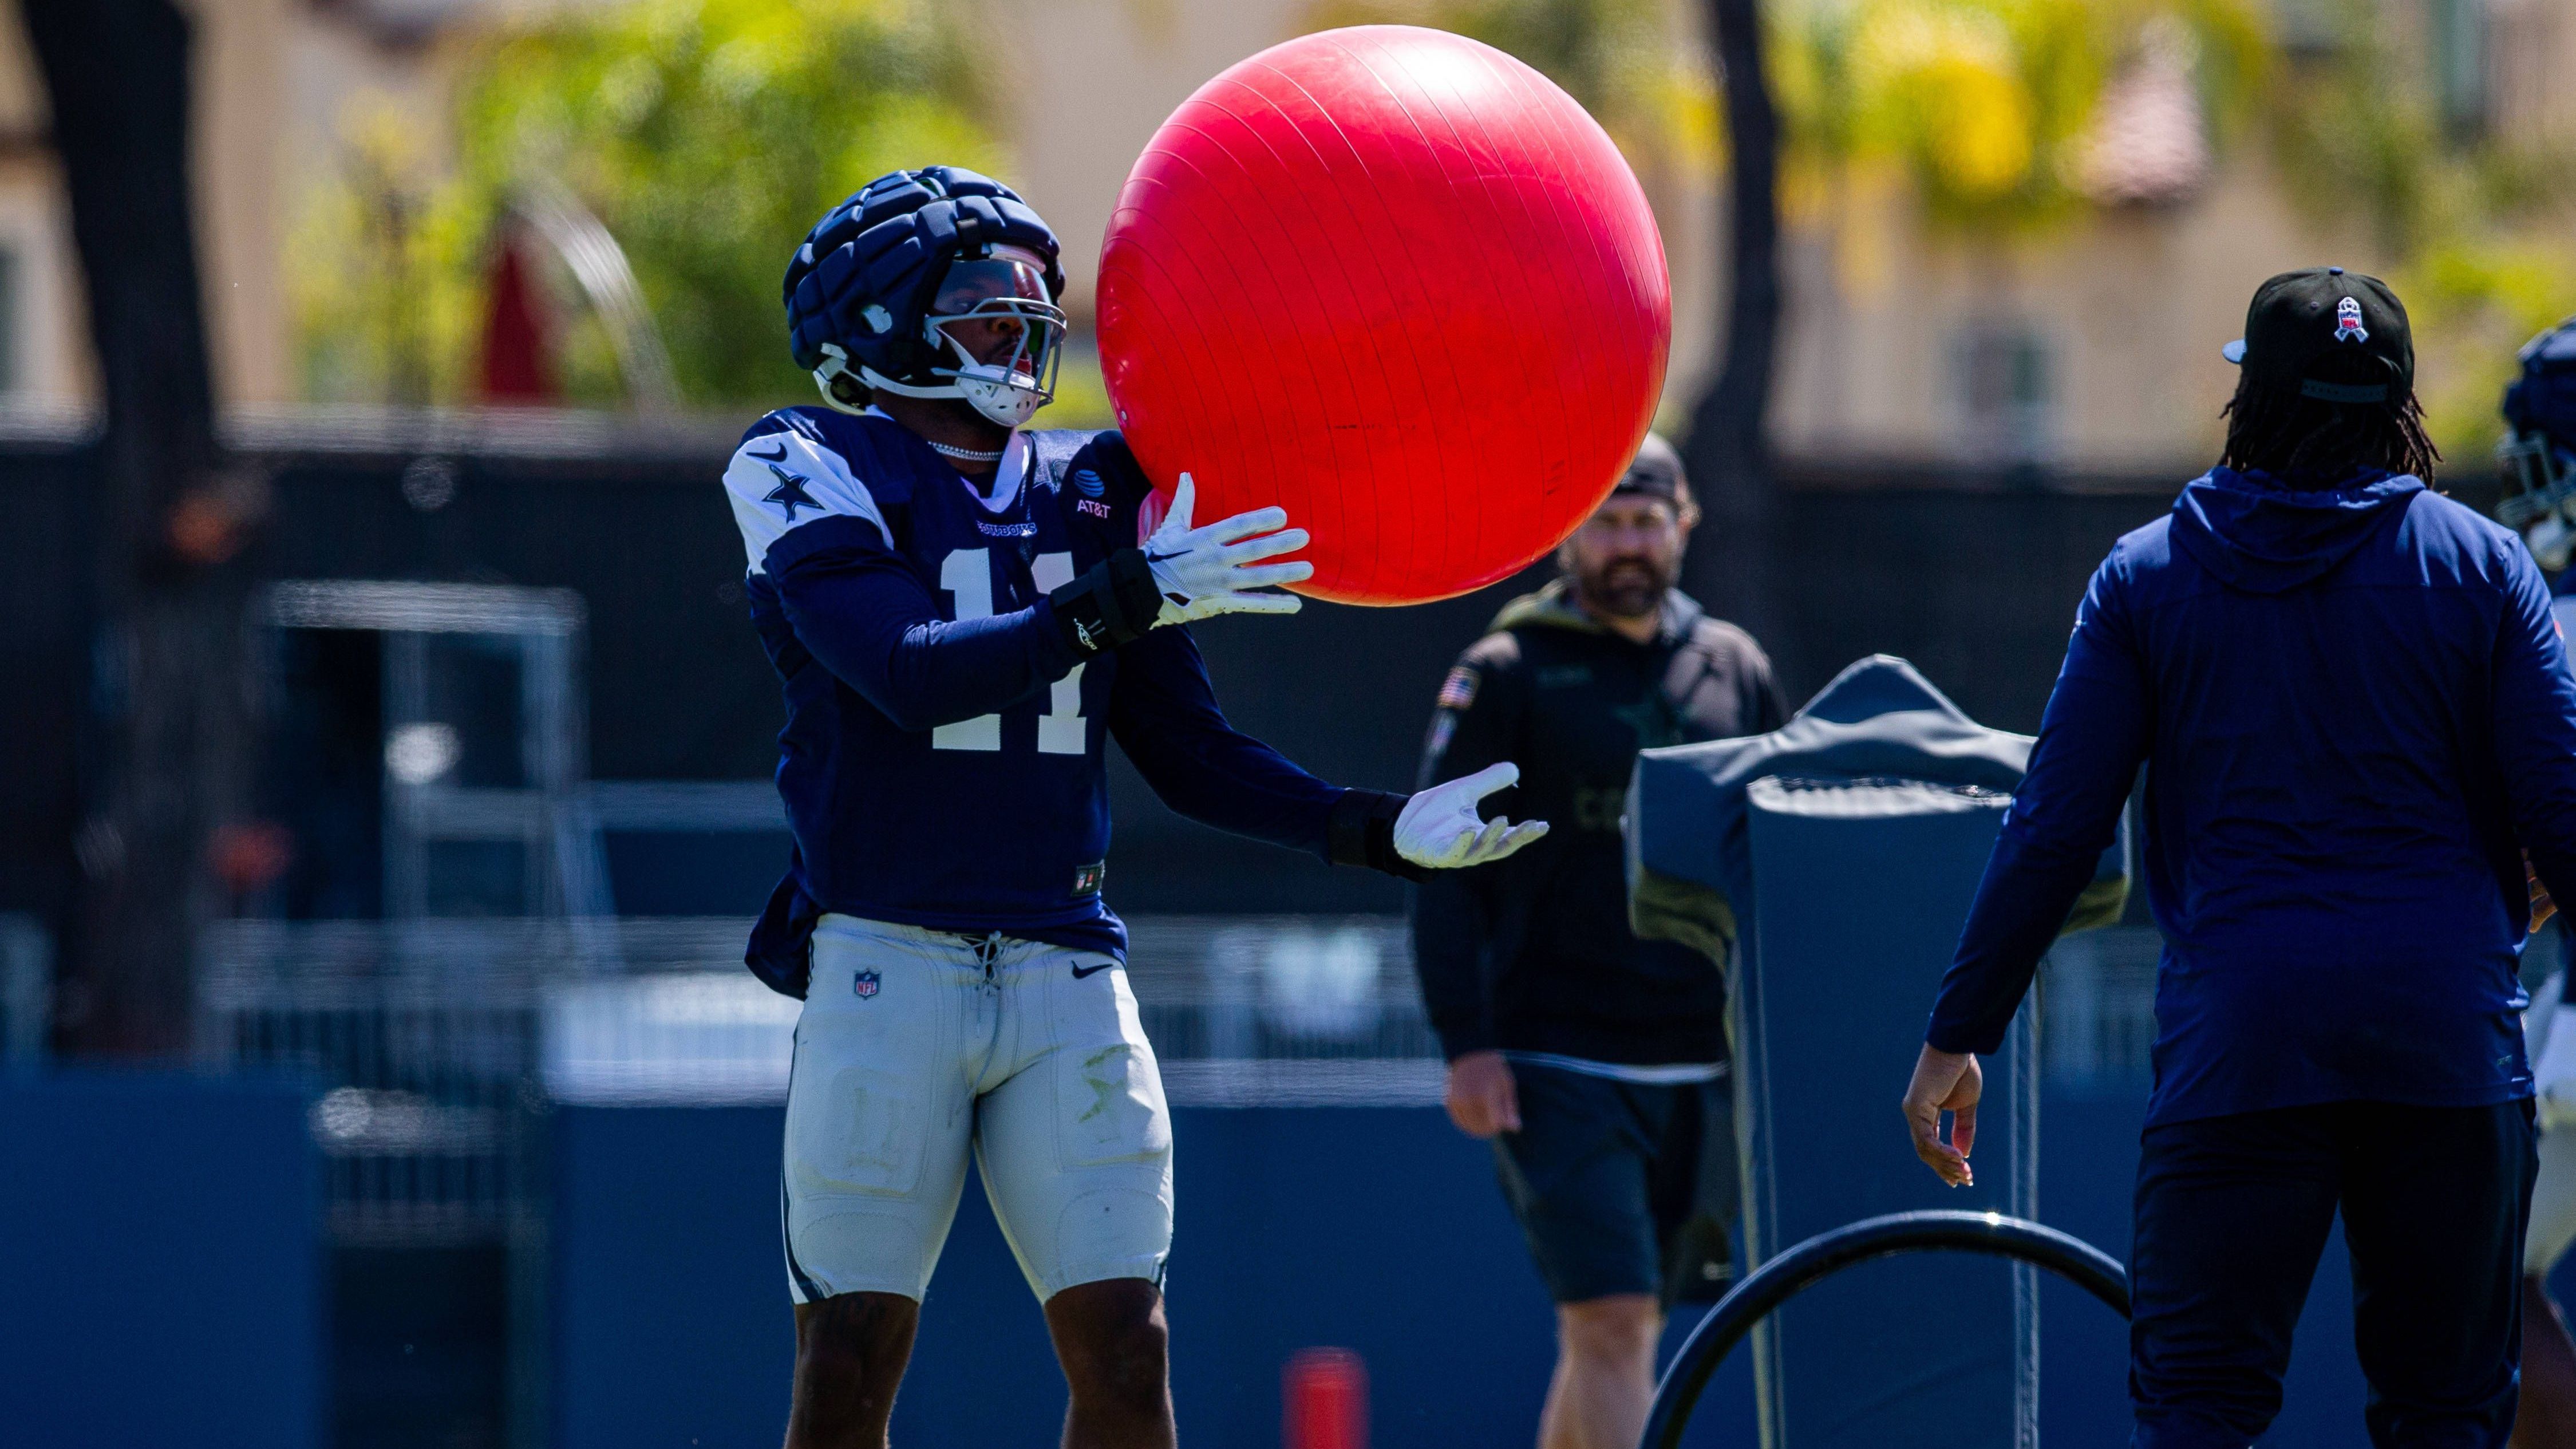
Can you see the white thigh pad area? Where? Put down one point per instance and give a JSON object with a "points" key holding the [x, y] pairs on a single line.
{"points": [[916, 1047]]}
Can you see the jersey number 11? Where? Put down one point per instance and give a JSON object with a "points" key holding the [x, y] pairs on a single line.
{"points": [[967, 575]]}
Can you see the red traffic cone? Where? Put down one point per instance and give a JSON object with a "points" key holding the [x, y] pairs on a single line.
{"points": [[1327, 1400]]}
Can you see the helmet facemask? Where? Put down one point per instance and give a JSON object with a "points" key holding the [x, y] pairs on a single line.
{"points": [[996, 299], [2540, 496]]}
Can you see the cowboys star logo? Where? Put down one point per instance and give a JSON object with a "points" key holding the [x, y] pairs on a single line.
{"points": [[790, 493]]}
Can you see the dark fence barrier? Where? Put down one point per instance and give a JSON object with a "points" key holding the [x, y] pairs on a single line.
{"points": [[1973, 577], [163, 1282]]}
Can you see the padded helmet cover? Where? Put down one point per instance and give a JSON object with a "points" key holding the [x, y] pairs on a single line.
{"points": [[2543, 399], [866, 273]]}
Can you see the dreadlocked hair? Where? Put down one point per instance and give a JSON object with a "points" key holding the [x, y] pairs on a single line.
{"points": [[2310, 443]]}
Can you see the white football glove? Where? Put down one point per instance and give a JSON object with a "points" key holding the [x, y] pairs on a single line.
{"points": [[1202, 572], [1439, 827]]}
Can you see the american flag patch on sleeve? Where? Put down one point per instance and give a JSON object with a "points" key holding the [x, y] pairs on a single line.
{"points": [[1458, 690]]}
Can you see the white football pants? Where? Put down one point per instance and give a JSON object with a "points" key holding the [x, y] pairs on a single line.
{"points": [[916, 1045]]}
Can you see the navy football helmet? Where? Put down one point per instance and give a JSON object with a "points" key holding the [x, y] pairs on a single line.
{"points": [[880, 282], [2540, 457]]}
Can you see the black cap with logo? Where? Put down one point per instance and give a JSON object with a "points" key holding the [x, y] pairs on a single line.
{"points": [[2329, 334], [1656, 471]]}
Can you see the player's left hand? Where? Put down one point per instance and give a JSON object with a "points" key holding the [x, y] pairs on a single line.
{"points": [[1440, 828], [1202, 572]]}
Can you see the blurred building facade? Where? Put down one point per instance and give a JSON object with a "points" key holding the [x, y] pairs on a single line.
{"points": [[2091, 346]]}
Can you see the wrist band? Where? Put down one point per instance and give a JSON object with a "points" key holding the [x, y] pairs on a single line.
{"points": [[1362, 832], [1111, 604]]}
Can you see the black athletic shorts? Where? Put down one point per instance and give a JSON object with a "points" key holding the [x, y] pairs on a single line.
{"points": [[1622, 1187]]}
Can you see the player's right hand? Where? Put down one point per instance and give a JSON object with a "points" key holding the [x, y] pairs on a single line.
{"points": [[1945, 1082], [1202, 572], [1482, 1097]]}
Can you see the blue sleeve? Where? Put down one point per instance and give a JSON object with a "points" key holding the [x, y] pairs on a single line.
{"points": [[1163, 713], [2535, 725], [862, 611], [2063, 817]]}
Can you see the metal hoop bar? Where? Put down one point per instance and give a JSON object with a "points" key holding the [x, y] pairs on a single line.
{"points": [[1825, 1254]]}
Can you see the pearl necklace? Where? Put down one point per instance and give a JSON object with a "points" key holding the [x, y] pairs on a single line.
{"points": [[964, 455]]}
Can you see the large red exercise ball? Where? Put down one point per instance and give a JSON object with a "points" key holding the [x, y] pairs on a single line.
{"points": [[1398, 283]]}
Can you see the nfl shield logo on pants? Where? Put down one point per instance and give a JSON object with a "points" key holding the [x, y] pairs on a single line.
{"points": [[866, 985]]}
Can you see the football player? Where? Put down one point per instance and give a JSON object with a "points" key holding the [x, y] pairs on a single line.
{"points": [[2539, 459], [963, 612]]}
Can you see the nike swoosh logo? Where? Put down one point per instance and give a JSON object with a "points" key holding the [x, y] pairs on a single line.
{"points": [[778, 457], [1081, 971]]}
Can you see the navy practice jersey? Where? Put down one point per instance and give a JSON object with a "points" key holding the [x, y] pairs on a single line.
{"points": [[942, 761]]}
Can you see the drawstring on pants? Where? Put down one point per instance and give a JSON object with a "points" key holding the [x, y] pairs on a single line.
{"points": [[988, 950]]}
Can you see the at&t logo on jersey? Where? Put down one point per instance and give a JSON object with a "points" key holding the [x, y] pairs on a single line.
{"points": [[1094, 491], [866, 984]]}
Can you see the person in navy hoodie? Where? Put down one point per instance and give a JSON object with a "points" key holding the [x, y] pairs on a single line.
{"points": [[2358, 726]]}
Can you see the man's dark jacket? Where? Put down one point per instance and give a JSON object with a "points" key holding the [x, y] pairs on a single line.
{"points": [[1534, 953], [2356, 716]]}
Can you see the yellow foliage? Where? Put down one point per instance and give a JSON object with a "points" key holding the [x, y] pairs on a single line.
{"points": [[1939, 85], [2473, 301], [1617, 57], [1984, 101], [706, 135], [382, 269]]}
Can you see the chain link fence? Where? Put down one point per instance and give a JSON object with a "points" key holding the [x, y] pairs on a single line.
{"points": [[439, 1044], [26, 991], [2098, 1005]]}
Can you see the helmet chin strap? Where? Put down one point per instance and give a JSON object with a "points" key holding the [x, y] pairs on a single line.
{"points": [[836, 369], [1006, 403]]}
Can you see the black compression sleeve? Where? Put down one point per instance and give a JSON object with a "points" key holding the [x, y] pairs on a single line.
{"points": [[1113, 603], [1363, 833]]}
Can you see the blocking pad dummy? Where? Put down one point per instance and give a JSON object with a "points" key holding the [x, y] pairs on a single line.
{"points": [[1831, 865]]}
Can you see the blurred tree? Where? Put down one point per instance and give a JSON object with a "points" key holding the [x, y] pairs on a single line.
{"points": [[2475, 297], [2476, 219], [1995, 108], [2020, 116], [168, 712], [1617, 57], [706, 135], [1728, 448]]}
